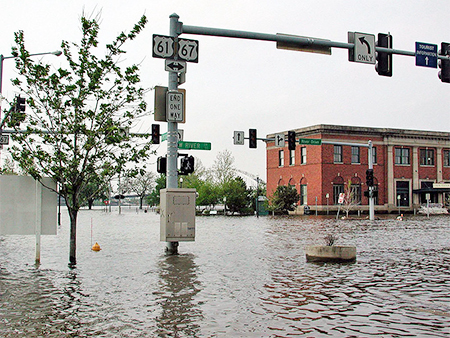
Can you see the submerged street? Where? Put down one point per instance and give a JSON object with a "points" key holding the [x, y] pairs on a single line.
{"points": [[242, 277]]}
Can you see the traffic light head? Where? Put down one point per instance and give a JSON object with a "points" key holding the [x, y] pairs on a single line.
{"points": [[252, 138], [384, 60], [161, 165], [155, 133], [17, 114], [369, 178], [291, 140], [444, 73]]}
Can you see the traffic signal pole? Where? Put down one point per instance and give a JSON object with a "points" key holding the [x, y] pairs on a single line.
{"points": [[371, 198], [172, 134]]}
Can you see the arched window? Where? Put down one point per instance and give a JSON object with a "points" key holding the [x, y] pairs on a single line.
{"points": [[338, 188], [356, 189], [303, 191]]}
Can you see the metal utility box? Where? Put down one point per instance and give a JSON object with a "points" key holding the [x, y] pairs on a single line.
{"points": [[177, 214]]}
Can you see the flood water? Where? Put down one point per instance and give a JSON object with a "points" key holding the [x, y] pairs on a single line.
{"points": [[242, 277]]}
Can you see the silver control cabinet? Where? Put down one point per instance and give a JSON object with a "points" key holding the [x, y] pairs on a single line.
{"points": [[177, 214]]}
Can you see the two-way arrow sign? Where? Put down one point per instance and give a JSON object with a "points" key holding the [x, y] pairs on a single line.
{"points": [[175, 66]]}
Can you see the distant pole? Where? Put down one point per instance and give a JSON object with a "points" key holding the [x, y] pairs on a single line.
{"points": [[257, 196], [38, 224]]}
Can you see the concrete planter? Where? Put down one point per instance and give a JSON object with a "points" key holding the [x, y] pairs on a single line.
{"points": [[333, 253]]}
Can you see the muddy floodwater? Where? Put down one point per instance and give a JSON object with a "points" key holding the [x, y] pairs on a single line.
{"points": [[242, 277]]}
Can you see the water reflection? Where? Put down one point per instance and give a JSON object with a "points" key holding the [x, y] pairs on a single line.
{"points": [[178, 286]]}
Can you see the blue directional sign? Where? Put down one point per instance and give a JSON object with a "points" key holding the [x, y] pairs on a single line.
{"points": [[426, 55]]}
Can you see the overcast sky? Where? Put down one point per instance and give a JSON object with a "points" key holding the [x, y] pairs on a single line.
{"points": [[242, 84]]}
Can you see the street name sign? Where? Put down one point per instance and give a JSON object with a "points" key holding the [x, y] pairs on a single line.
{"points": [[310, 141], [364, 47], [426, 55], [174, 109], [175, 66], [279, 140], [238, 138], [180, 135], [4, 139], [194, 145]]}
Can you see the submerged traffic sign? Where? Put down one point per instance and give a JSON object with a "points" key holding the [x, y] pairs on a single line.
{"points": [[426, 55]]}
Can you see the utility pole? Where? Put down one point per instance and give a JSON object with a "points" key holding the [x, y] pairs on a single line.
{"points": [[172, 134]]}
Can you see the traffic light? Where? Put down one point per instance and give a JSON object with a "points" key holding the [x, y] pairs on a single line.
{"points": [[17, 114], [444, 73], [252, 138], [155, 133], [369, 177], [384, 60], [161, 166], [291, 140], [187, 165]]}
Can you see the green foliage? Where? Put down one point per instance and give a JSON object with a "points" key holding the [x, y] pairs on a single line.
{"points": [[153, 198], [75, 115], [237, 195], [285, 198]]}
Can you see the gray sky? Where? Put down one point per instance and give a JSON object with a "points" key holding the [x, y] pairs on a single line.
{"points": [[242, 84]]}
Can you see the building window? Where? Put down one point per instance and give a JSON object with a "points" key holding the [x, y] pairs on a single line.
{"points": [[426, 156], [402, 156], [280, 158], [446, 158], [303, 194], [337, 189], [303, 155], [337, 154], [355, 155], [374, 155], [356, 190], [291, 157], [402, 193]]}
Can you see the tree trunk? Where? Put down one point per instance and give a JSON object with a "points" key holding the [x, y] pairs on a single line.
{"points": [[140, 201], [73, 213], [90, 203]]}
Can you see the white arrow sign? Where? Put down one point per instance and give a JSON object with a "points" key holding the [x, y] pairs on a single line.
{"points": [[238, 137], [279, 140]]}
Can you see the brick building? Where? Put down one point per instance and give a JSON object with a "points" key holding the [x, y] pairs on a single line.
{"points": [[408, 165]]}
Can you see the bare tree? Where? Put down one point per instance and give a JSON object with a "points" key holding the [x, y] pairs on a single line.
{"points": [[223, 169], [141, 184], [350, 198]]}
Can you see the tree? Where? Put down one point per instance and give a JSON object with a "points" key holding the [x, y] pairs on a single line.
{"points": [[237, 195], [93, 190], [153, 198], [76, 130], [350, 198], [285, 198], [141, 184], [223, 169], [8, 168]]}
